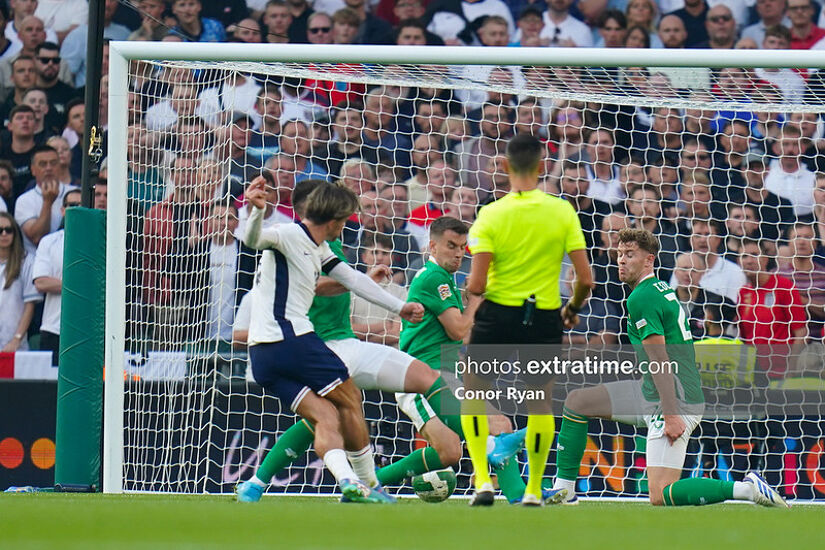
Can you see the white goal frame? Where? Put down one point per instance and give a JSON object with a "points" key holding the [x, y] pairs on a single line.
{"points": [[121, 53]]}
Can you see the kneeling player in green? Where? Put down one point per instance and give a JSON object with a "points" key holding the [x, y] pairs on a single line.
{"points": [[669, 405], [443, 328]]}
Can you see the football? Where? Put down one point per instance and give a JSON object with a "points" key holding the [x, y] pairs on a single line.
{"points": [[435, 486]]}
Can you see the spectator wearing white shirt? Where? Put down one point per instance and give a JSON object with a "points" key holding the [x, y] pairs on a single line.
{"points": [[787, 81], [17, 291], [62, 16], [562, 29], [602, 170], [456, 20], [47, 274], [275, 196], [722, 276], [373, 323], [771, 13], [237, 92], [20, 10], [39, 211], [182, 103], [219, 244], [788, 177]]}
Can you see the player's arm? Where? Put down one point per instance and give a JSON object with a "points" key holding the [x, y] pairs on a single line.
{"points": [[327, 286], [456, 323], [369, 290], [581, 287], [477, 280], [656, 352], [257, 236]]}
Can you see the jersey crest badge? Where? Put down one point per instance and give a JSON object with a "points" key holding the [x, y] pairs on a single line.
{"points": [[641, 323], [444, 291], [770, 299]]}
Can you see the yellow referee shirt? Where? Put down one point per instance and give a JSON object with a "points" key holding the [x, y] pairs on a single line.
{"points": [[528, 234]]}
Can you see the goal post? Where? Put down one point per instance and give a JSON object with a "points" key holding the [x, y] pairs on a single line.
{"points": [[180, 413]]}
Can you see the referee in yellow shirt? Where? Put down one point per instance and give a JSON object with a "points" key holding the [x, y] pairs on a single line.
{"points": [[518, 243]]}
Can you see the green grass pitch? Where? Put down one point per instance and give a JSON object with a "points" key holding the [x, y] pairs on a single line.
{"points": [[302, 523]]}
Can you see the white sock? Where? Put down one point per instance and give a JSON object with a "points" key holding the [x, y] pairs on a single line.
{"points": [[337, 463], [565, 484], [742, 490], [363, 464], [257, 481]]}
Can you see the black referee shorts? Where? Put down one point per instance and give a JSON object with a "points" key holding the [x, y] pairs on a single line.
{"points": [[499, 333], [498, 324]]}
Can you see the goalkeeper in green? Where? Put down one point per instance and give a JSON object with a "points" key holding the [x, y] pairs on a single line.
{"points": [[669, 404]]}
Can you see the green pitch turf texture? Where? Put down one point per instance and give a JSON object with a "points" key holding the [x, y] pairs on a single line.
{"points": [[62, 521]]}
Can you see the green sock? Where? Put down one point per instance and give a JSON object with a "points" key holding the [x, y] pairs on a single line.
{"points": [[417, 462], [292, 444], [572, 441], [445, 405], [696, 491], [510, 481]]}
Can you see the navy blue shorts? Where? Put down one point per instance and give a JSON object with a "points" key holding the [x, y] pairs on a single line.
{"points": [[289, 369]]}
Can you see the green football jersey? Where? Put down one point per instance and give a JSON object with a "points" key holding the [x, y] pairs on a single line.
{"points": [[434, 288], [330, 315], [653, 308]]}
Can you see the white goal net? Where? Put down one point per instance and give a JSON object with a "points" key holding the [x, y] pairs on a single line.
{"points": [[723, 164]]}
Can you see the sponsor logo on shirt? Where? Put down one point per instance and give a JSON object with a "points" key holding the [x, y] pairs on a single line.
{"points": [[641, 323], [444, 291]]}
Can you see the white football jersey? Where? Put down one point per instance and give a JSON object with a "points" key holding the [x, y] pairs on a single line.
{"points": [[285, 281]]}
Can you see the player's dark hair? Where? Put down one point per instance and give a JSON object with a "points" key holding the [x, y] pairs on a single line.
{"points": [[447, 223], [524, 154], [330, 202], [642, 237], [302, 191]]}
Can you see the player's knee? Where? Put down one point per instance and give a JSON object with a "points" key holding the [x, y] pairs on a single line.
{"points": [[346, 396], [574, 400], [326, 416]]}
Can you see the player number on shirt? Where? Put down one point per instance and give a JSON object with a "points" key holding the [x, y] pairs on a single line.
{"points": [[682, 322]]}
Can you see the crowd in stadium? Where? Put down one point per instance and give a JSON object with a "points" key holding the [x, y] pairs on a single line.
{"points": [[737, 199]]}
